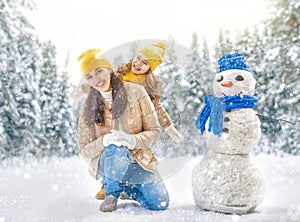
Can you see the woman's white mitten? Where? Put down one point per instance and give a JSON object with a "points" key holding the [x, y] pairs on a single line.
{"points": [[125, 139], [109, 139]]}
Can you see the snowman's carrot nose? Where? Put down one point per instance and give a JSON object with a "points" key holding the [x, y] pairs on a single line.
{"points": [[227, 84]]}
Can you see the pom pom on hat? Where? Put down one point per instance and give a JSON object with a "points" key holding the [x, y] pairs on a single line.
{"points": [[232, 61], [91, 60], [154, 53]]}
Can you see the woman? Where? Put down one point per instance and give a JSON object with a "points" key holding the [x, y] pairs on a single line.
{"points": [[140, 71], [117, 126]]}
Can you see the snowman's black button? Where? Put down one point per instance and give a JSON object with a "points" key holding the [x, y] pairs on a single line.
{"points": [[225, 130], [226, 119]]}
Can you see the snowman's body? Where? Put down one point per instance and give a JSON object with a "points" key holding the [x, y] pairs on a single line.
{"points": [[226, 180], [241, 133]]}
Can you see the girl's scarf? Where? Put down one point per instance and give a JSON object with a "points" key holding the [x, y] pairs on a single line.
{"points": [[135, 78]]}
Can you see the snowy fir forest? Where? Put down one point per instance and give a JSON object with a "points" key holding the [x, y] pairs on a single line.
{"points": [[41, 174], [38, 120]]}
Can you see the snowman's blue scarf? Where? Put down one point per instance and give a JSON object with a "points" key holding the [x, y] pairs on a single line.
{"points": [[214, 108]]}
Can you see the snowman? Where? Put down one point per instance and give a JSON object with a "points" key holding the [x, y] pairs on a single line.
{"points": [[226, 180]]}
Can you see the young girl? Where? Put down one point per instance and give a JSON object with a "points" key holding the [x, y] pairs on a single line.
{"points": [[140, 71], [117, 126]]}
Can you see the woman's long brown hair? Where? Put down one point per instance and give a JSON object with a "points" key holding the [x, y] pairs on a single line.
{"points": [[94, 109]]}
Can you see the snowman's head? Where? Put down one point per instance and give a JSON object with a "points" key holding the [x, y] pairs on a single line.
{"points": [[233, 82], [233, 78]]}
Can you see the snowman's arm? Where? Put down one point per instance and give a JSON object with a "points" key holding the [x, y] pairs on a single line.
{"points": [[276, 120]]}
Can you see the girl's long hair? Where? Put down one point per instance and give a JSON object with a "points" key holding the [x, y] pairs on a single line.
{"points": [[94, 109]]}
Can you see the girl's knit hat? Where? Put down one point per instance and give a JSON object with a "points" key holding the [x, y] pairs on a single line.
{"points": [[91, 60], [154, 53]]}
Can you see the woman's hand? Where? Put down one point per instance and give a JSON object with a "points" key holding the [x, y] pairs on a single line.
{"points": [[119, 138]]}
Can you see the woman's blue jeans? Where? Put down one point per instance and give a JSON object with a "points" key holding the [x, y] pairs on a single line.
{"points": [[119, 174]]}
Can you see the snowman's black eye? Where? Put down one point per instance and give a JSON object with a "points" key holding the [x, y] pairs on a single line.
{"points": [[239, 78], [220, 78]]}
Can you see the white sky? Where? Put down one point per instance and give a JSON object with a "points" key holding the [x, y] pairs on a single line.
{"points": [[75, 26]]}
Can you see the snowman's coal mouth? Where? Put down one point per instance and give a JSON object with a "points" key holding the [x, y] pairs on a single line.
{"points": [[241, 93]]}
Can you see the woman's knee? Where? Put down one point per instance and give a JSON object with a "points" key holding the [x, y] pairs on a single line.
{"points": [[160, 203], [114, 161], [157, 200]]}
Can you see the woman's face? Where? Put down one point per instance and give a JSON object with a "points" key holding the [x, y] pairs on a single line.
{"points": [[140, 64], [99, 79]]}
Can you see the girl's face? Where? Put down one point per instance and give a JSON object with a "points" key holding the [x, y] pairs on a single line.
{"points": [[99, 79], [140, 64]]}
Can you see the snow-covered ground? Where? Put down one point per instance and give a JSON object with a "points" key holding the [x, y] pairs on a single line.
{"points": [[62, 190]]}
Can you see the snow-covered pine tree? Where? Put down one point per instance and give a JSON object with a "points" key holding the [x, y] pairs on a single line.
{"points": [[243, 42], [19, 109], [134, 47], [282, 75], [207, 68], [117, 60], [223, 45], [173, 96], [198, 74], [57, 122], [194, 73]]}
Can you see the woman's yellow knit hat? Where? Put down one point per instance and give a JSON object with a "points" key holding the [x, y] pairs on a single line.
{"points": [[91, 60], [155, 54]]}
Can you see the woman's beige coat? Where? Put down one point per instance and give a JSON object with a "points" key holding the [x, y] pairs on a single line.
{"points": [[139, 119]]}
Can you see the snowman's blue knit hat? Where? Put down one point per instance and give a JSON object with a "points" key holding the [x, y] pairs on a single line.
{"points": [[232, 61]]}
